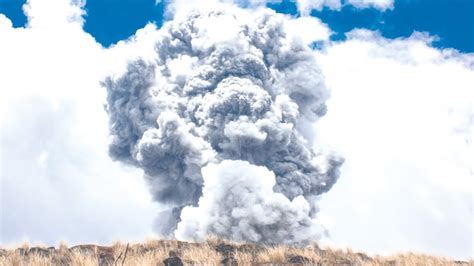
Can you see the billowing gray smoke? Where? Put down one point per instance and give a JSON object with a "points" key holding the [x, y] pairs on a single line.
{"points": [[219, 123]]}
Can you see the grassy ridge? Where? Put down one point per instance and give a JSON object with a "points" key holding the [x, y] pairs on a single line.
{"points": [[212, 252]]}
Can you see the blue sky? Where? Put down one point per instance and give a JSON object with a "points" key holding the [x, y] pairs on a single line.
{"points": [[451, 20]]}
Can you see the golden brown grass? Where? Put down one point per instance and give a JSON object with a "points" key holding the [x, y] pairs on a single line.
{"points": [[212, 252]]}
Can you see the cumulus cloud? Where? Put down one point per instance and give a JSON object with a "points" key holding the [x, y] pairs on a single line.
{"points": [[66, 13], [57, 181], [225, 84], [401, 114]]}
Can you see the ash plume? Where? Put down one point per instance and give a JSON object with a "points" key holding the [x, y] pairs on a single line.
{"points": [[218, 122]]}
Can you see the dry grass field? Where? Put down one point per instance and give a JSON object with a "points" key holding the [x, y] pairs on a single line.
{"points": [[212, 252]]}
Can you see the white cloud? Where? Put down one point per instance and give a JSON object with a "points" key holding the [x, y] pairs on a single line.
{"points": [[306, 6], [57, 181], [309, 29], [401, 113], [5, 23], [39, 13], [379, 4]]}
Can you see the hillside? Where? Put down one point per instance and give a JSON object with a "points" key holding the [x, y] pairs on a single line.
{"points": [[212, 252]]}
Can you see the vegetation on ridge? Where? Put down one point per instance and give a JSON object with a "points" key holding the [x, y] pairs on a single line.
{"points": [[212, 252]]}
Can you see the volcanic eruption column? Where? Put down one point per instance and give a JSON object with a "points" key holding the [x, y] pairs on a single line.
{"points": [[219, 121]]}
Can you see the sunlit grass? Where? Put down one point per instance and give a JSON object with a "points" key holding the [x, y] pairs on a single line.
{"points": [[154, 252]]}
